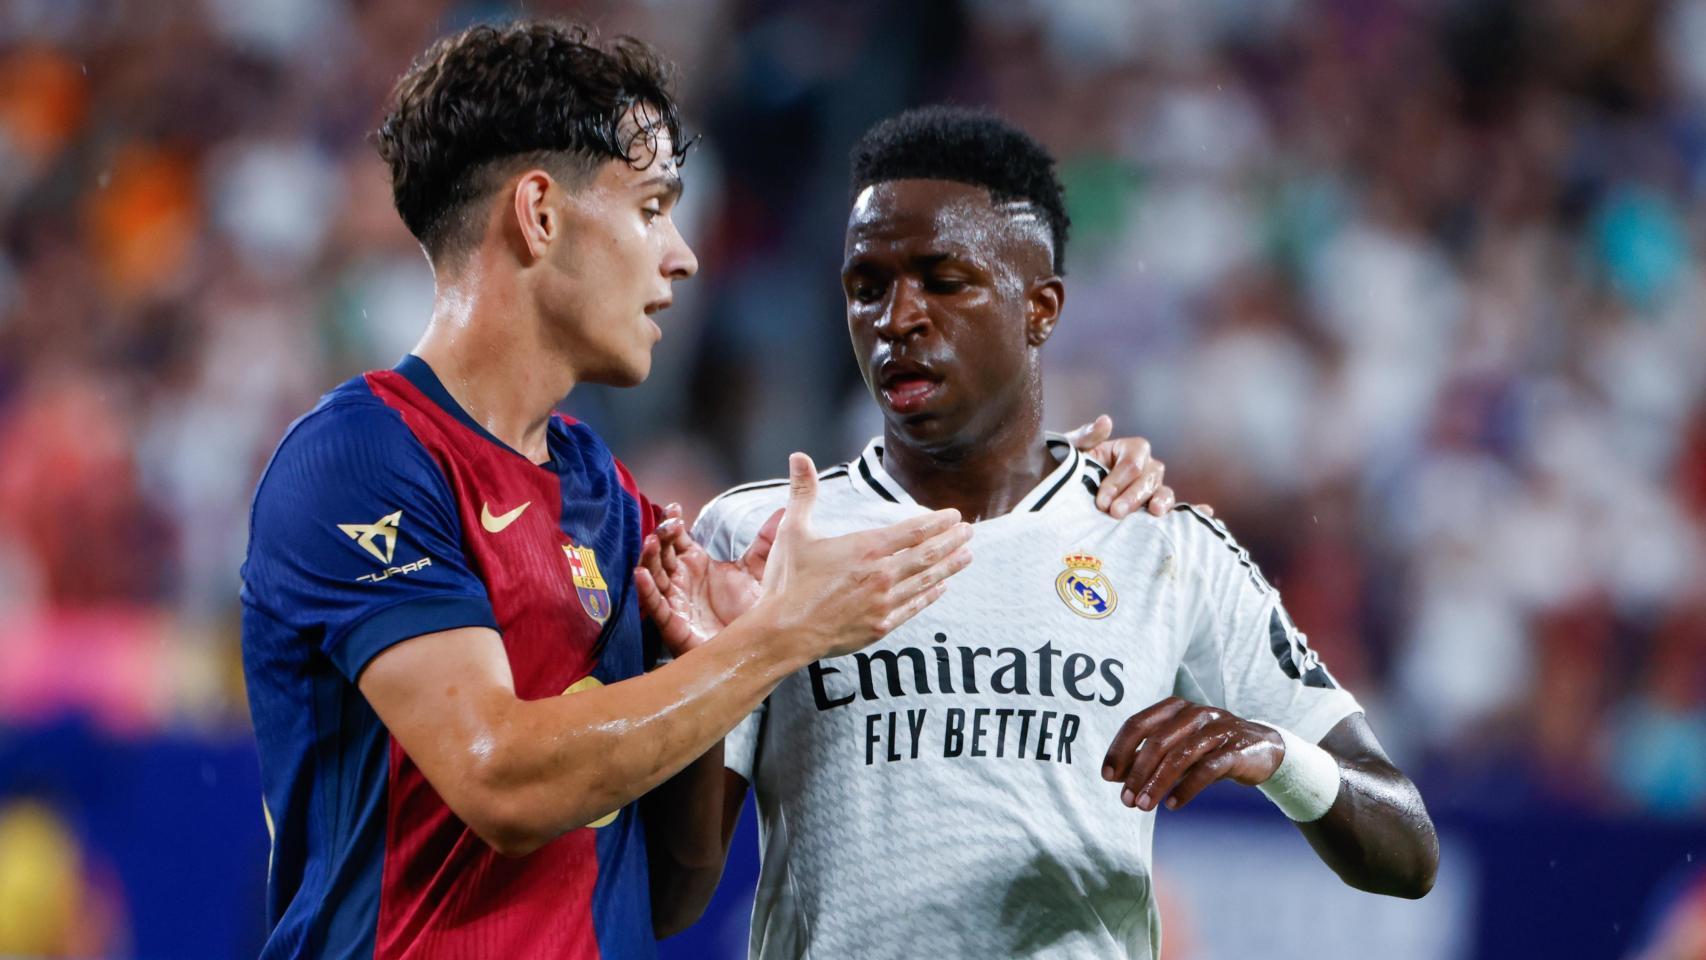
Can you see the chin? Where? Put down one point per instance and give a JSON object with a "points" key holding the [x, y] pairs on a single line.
{"points": [[928, 432], [630, 377], [629, 373]]}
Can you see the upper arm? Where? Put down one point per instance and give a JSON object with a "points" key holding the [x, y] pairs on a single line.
{"points": [[355, 540], [443, 696], [1242, 651]]}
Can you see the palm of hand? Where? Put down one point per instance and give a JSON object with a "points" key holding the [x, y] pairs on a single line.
{"points": [[713, 594]]}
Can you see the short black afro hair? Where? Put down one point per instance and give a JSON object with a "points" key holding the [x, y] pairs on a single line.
{"points": [[966, 146]]}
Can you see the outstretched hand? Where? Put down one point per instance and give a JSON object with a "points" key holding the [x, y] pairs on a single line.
{"points": [[839, 594], [1134, 479], [833, 595], [689, 596]]}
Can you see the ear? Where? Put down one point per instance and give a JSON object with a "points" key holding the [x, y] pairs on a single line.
{"points": [[1042, 309], [536, 218]]}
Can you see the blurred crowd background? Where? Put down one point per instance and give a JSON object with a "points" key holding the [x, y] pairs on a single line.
{"points": [[1410, 290]]}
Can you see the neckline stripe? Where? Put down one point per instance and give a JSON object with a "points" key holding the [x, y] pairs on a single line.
{"points": [[865, 471], [1064, 476]]}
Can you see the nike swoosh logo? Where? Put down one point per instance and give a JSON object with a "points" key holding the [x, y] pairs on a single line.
{"points": [[498, 523]]}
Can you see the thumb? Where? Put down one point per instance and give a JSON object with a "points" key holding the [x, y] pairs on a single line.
{"points": [[1093, 433], [802, 490]]}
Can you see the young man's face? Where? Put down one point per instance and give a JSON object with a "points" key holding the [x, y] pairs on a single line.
{"points": [[619, 255], [939, 284]]}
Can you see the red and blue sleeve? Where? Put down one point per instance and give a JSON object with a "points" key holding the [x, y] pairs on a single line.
{"points": [[356, 539]]}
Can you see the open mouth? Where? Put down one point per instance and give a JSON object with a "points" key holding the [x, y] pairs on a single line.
{"points": [[652, 310], [907, 386]]}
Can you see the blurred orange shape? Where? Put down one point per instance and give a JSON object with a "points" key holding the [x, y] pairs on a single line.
{"points": [[44, 96], [143, 217]]}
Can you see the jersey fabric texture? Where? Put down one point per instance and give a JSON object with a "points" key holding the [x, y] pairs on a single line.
{"points": [[387, 513], [940, 793]]}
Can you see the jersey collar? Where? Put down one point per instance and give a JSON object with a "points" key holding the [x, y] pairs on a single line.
{"points": [[870, 479], [419, 373]]}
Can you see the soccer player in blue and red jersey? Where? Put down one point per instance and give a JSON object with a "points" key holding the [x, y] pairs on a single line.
{"points": [[435, 558]]}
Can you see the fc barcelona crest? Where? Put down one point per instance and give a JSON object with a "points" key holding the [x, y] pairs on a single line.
{"points": [[1083, 587], [591, 588]]}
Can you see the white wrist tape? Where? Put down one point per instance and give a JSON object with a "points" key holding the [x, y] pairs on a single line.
{"points": [[1307, 781]]}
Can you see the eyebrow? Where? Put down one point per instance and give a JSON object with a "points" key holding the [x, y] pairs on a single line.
{"points": [[671, 182], [937, 255]]}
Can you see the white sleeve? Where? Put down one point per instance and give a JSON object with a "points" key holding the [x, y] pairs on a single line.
{"points": [[740, 747], [728, 524], [1242, 651], [724, 530]]}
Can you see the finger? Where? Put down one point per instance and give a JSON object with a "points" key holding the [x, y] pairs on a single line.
{"points": [[671, 628], [802, 490], [1126, 449], [1205, 509], [1153, 472], [1135, 495], [953, 562], [1212, 767], [651, 599], [910, 609], [1090, 435], [1161, 742], [911, 561], [758, 551], [651, 559], [671, 528], [1162, 502], [672, 538], [1147, 794], [1121, 475], [910, 532], [1133, 732]]}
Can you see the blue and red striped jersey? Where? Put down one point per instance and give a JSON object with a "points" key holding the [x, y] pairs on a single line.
{"points": [[387, 513]]}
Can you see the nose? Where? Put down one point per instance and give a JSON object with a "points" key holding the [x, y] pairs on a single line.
{"points": [[905, 314], [679, 263]]}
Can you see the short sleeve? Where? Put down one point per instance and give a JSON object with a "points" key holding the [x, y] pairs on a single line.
{"points": [[1242, 652], [740, 747], [354, 539], [729, 523]]}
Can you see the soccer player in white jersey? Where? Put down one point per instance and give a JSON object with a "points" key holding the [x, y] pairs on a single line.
{"points": [[984, 781]]}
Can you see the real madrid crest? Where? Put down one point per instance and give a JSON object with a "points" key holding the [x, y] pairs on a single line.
{"points": [[1084, 589], [589, 586]]}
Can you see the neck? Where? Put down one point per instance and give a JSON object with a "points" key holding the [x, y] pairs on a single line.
{"points": [[982, 480], [486, 344]]}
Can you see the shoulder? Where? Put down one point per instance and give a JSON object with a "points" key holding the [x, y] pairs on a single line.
{"points": [[347, 431], [730, 511], [1206, 544], [351, 447], [743, 509]]}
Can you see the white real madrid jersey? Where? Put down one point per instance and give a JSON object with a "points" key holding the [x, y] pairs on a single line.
{"points": [[939, 794]]}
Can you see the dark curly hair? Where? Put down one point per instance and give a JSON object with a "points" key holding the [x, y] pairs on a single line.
{"points": [[481, 104], [966, 146]]}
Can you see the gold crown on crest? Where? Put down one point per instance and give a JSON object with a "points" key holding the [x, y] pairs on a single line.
{"points": [[1082, 561]]}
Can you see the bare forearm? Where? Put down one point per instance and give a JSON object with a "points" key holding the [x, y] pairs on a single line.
{"points": [[685, 842], [1377, 836], [562, 762]]}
